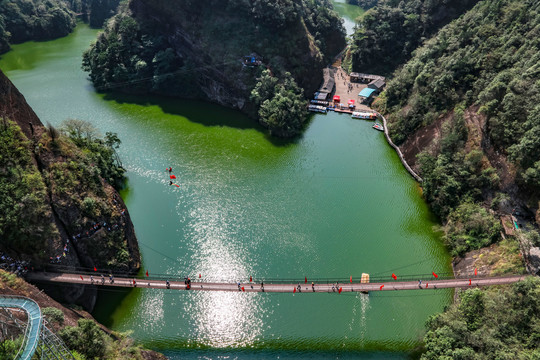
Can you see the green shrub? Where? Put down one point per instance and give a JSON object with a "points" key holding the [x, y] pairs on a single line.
{"points": [[86, 338], [53, 315], [470, 226], [10, 348]]}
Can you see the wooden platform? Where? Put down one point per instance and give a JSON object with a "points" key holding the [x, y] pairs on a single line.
{"points": [[344, 111]]}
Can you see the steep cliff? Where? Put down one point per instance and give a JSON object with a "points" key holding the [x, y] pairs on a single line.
{"points": [[204, 49], [57, 209], [465, 111]]}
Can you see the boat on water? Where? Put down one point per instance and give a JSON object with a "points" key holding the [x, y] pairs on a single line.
{"points": [[378, 126], [364, 115], [317, 108], [319, 102]]}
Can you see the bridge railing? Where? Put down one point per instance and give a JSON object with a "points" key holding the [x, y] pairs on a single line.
{"points": [[267, 280]]}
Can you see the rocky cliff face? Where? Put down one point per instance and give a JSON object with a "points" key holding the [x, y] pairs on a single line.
{"points": [[197, 49], [87, 224]]}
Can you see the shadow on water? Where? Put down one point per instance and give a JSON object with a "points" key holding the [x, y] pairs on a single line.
{"points": [[214, 115], [293, 349], [108, 300]]}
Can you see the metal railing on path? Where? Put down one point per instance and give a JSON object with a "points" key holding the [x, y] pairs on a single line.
{"points": [[276, 285], [37, 337]]}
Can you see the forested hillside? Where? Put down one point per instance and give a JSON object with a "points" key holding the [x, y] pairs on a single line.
{"points": [[181, 48], [488, 324], [478, 81], [388, 33], [23, 20]]}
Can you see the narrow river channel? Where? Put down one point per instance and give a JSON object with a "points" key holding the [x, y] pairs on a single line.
{"points": [[334, 203]]}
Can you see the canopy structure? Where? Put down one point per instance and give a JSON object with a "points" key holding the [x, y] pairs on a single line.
{"points": [[367, 92], [337, 98]]}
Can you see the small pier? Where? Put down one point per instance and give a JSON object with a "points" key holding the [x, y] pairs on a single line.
{"points": [[342, 91]]}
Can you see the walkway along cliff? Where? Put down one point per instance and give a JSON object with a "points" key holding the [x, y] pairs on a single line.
{"points": [[400, 154]]}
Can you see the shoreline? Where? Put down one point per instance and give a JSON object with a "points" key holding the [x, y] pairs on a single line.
{"points": [[398, 150]]}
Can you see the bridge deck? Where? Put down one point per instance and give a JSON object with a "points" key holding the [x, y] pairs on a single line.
{"points": [[277, 288]]}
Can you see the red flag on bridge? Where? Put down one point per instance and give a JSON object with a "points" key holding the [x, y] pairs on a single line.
{"points": [[475, 271], [427, 285], [173, 176], [199, 276], [339, 291], [250, 279], [350, 280], [305, 279], [381, 287], [95, 268], [436, 276], [394, 276], [469, 282], [146, 273], [81, 277], [294, 290], [243, 289]]}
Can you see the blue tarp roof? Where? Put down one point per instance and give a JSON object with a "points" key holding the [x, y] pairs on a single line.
{"points": [[366, 92]]}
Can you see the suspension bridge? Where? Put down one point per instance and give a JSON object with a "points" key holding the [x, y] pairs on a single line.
{"points": [[275, 286]]}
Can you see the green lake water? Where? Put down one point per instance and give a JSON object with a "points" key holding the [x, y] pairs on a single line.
{"points": [[335, 202], [349, 13]]}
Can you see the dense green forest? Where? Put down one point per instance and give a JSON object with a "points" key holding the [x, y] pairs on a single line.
{"points": [[482, 67], [388, 33], [488, 324], [185, 49], [23, 20]]}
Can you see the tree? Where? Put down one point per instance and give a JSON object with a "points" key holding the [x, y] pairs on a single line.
{"points": [[86, 338], [282, 108], [79, 130]]}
